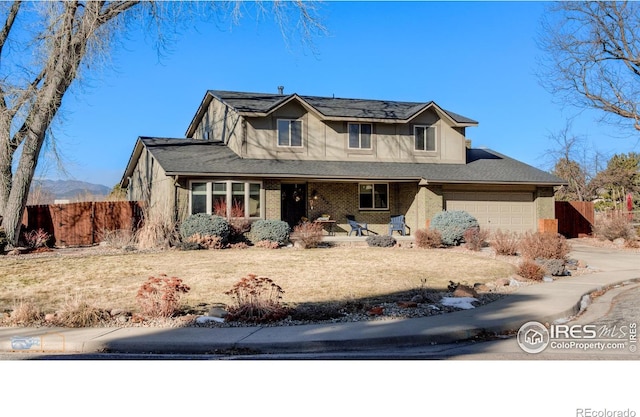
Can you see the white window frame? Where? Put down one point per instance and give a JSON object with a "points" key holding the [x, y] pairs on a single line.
{"points": [[359, 136], [289, 145], [435, 138], [229, 196], [373, 196]]}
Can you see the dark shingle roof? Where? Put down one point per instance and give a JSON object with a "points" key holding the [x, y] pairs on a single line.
{"points": [[260, 103], [197, 157]]}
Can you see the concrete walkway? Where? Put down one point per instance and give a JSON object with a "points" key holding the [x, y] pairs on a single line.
{"points": [[546, 302]]}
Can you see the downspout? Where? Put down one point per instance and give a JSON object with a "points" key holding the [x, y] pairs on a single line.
{"points": [[176, 185], [244, 138]]}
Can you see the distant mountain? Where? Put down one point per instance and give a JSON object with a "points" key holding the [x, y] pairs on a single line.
{"points": [[45, 190]]}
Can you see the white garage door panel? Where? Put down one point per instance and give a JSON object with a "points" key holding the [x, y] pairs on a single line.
{"points": [[506, 211]]}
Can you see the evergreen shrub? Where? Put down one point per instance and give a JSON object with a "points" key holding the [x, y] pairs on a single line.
{"points": [[381, 241], [271, 230], [452, 225], [205, 225]]}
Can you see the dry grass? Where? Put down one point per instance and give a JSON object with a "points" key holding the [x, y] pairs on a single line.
{"points": [[314, 275]]}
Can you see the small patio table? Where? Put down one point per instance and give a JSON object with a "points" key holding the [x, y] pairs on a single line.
{"points": [[330, 223]]}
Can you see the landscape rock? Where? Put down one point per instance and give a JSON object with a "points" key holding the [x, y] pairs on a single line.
{"points": [[554, 267], [50, 317], [481, 287], [376, 311], [619, 242], [418, 298], [514, 283], [217, 312], [407, 304], [432, 298], [465, 291], [503, 282]]}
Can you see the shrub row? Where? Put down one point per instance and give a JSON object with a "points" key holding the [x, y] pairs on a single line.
{"points": [[211, 231]]}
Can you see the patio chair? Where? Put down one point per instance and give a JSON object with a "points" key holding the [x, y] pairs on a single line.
{"points": [[397, 223], [355, 226]]}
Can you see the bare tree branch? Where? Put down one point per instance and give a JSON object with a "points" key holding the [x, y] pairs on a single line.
{"points": [[593, 56]]}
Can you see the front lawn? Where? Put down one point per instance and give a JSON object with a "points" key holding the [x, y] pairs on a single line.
{"points": [[111, 281]]}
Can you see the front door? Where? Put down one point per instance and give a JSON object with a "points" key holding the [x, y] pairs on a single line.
{"points": [[294, 203]]}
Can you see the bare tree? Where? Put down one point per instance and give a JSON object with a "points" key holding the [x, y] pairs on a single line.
{"points": [[592, 56], [44, 47]]}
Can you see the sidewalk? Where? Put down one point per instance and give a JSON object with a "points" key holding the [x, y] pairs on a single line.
{"points": [[545, 302]]}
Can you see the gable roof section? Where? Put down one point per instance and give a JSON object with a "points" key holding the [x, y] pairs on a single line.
{"points": [[327, 108], [190, 157]]}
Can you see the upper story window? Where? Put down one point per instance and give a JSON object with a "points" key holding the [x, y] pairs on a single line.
{"points": [[290, 133], [360, 135], [425, 138], [373, 196]]}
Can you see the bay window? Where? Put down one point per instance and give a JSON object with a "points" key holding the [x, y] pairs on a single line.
{"points": [[226, 198]]}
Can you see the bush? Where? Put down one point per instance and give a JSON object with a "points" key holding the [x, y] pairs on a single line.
{"points": [[36, 238], [157, 232], [119, 239], [267, 244], [381, 241], [204, 242], [238, 228], [452, 225], [273, 230], [308, 233], [555, 267], [475, 238], [160, 296], [257, 300], [78, 313], [614, 226], [505, 243], [530, 270], [25, 313], [544, 246], [428, 238], [205, 225]]}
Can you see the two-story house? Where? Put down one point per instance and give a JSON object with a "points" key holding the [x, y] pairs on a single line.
{"points": [[289, 157]]}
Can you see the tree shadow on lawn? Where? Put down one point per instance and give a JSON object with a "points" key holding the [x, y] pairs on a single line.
{"points": [[499, 319]]}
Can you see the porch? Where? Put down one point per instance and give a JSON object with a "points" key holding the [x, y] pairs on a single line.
{"points": [[344, 240]]}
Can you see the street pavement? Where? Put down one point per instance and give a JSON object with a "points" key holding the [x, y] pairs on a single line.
{"points": [[463, 335]]}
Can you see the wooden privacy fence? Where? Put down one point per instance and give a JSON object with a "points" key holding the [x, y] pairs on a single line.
{"points": [[575, 218], [82, 224]]}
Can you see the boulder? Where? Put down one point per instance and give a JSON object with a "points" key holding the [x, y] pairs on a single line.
{"points": [[407, 304], [465, 291], [217, 312]]}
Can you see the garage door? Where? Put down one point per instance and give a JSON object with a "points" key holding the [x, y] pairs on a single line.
{"points": [[505, 211]]}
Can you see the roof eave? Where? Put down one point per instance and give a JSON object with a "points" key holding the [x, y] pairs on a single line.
{"points": [[204, 105], [135, 155], [442, 113]]}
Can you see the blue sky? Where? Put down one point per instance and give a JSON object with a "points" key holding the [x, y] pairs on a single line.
{"points": [[477, 59]]}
